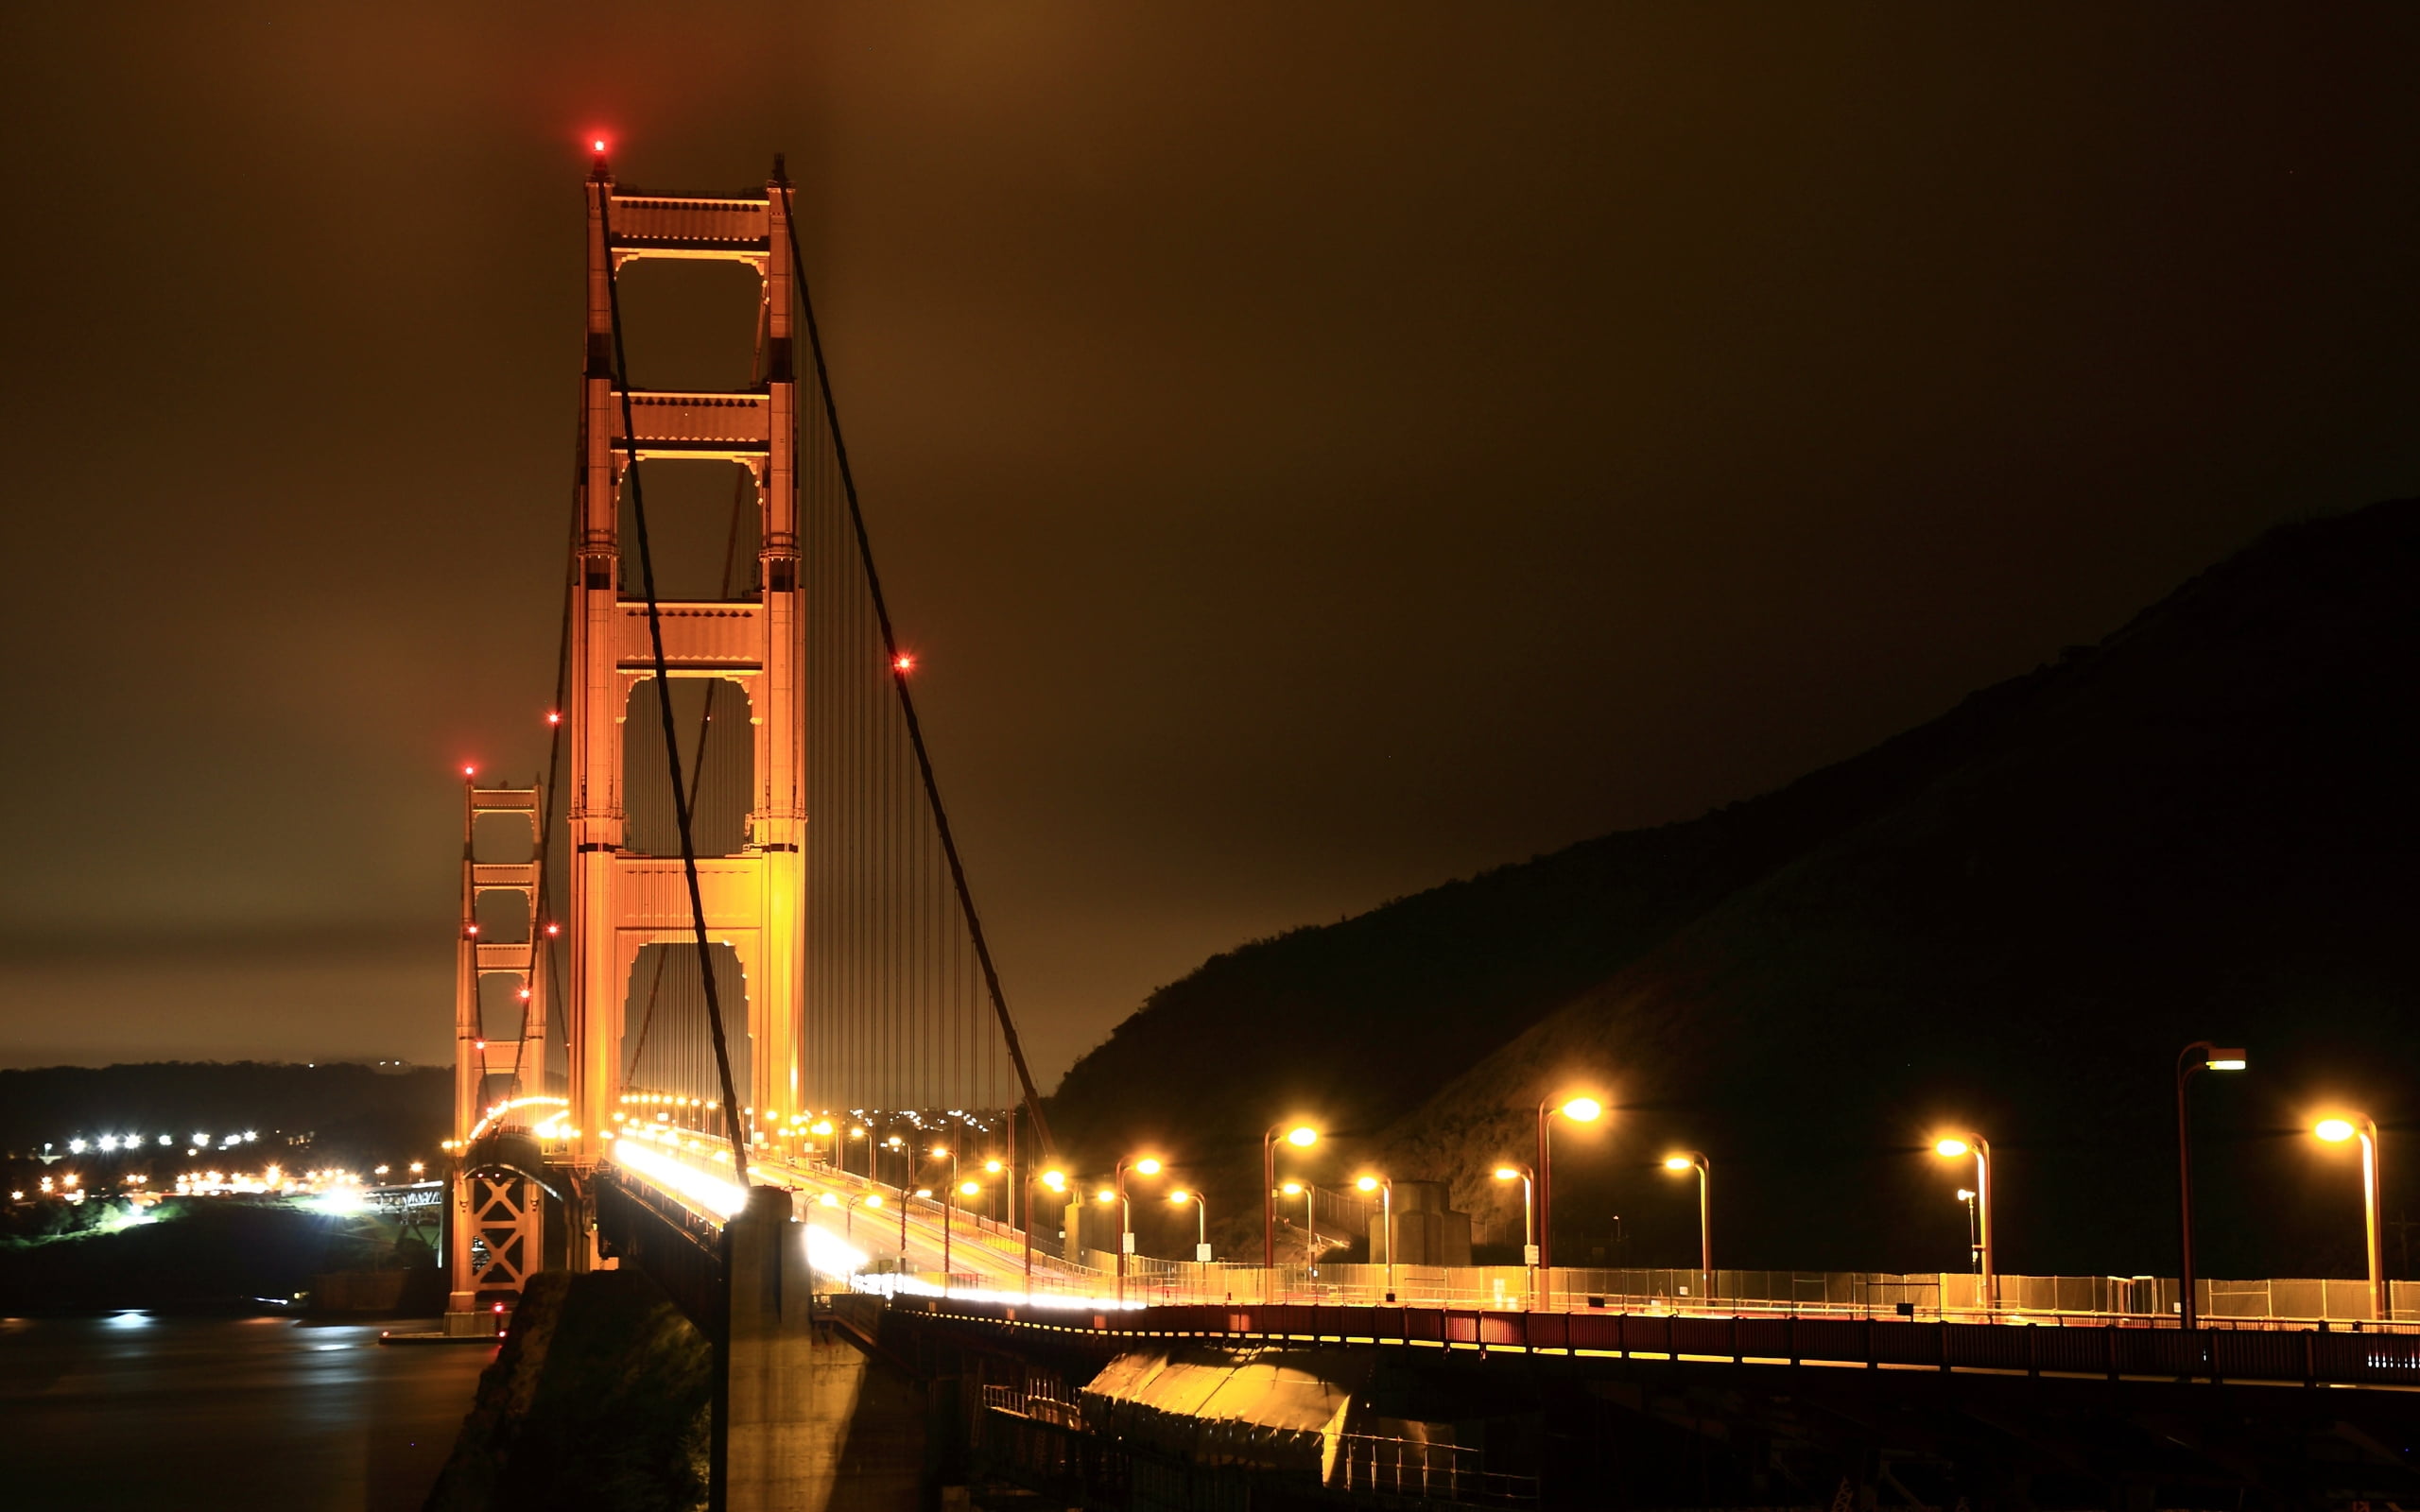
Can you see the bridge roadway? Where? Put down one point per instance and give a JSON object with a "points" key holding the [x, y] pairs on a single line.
{"points": [[869, 1249], [904, 1237]]}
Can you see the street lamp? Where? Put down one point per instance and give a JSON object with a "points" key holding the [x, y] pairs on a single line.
{"points": [[956, 1190], [1695, 1160], [1301, 1136], [1951, 1148], [1974, 1241], [1581, 1109], [2199, 1056], [2364, 1128], [1529, 1210], [1056, 1180], [840, 1158], [1384, 1187], [1310, 1225], [872, 1200], [1147, 1165], [1201, 1223], [949, 1153]]}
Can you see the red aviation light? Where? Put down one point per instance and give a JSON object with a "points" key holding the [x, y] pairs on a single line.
{"points": [[469, 771], [904, 662], [554, 929], [554, 716], [597, 145]]}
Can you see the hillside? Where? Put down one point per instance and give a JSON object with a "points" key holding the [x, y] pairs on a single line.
{"points": [[2011, 915]]}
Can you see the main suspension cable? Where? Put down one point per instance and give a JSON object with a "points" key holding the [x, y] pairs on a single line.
{"points": [[732, 1127], [899, 673]]}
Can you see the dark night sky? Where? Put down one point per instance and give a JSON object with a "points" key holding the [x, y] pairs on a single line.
{"points": [[1317, 450]]}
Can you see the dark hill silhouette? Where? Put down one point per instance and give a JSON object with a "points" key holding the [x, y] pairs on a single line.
{"points": [[2012, 916]]}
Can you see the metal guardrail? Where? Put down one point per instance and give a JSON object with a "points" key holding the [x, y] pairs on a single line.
{"points": [[2086, 1349], [1841, 1294], [1424, 1471], [1955, 1296]]}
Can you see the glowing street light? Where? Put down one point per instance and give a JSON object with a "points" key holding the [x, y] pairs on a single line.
{"points": [[1301, 1136], [1696, 1161], [1147, 1165], [938, 1152], [2364, 1128], [2199, 1056], [1580, 1109], [1311, 1225], [1384, 1187], [1951, 1148], [1529, 1212], [1201, 1222]]}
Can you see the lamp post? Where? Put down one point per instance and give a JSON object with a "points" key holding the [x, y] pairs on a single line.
{"points": [[2363, 1128], [1384, 1187], [871, 1201], [1974, 1241], [897, 1146], [856, 1131], [1105, 1197], [962, 1188], [1302, 1136], [949, 1153], [1310, 1225], [1201, 1223], [1696, 1161], [1056, 1180], [2199, 1056], [1147, 1165], [1529, 1210], [1951, 1148], [1580, 1111]]}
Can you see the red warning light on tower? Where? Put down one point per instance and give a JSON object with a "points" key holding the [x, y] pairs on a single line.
{"points": [[904, 662], [554, 716], [597, 143], [469, 771]]}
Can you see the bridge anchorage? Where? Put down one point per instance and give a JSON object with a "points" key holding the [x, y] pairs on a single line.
{"points": [[762, 1054]]}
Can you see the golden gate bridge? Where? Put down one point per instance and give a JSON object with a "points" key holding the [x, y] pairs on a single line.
{"points": [[725, 1012]]}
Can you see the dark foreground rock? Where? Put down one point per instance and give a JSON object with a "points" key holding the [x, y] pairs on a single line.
{"points": [[597, 1402]]}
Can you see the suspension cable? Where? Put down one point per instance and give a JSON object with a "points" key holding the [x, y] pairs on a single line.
{"points": [[899, 674], [733, 1128], [539, 939]]}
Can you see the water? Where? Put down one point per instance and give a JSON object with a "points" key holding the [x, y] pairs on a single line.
{"points": [[164, 1413]]}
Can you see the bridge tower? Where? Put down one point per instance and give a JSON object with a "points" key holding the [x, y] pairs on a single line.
{"points": [[497, 1230], [622, 901]]}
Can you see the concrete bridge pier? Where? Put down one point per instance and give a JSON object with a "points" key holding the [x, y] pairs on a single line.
{"points": [[808, 1423]]}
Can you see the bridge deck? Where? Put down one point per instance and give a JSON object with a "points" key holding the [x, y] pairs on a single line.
{"points": [[985, 1261]]}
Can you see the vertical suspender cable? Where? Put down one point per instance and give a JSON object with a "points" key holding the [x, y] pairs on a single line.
{"points": [[899, 678], [731, 1126]]}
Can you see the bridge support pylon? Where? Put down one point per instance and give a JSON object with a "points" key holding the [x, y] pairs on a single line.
{"points": [[753, 898], [496, 1227]]}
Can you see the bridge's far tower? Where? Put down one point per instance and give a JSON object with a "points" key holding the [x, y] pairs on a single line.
{"points": [[621, 902], [496, 1227]]}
